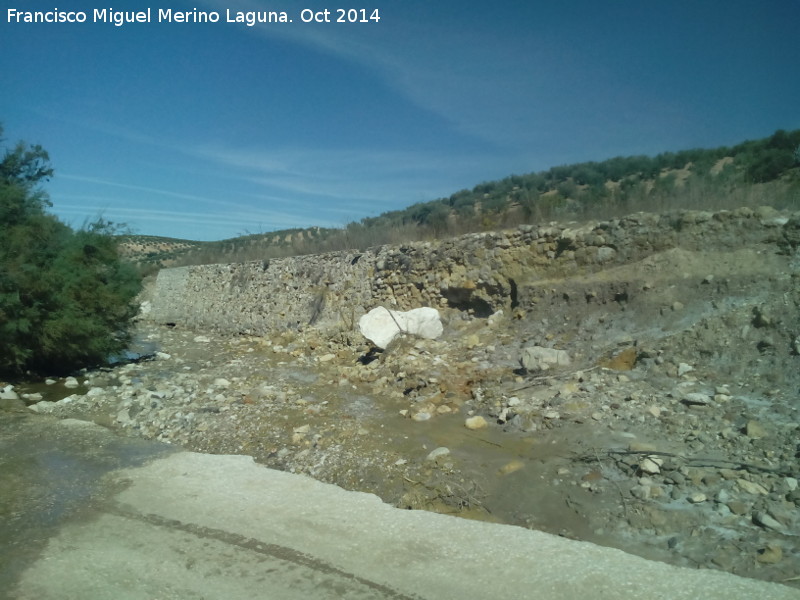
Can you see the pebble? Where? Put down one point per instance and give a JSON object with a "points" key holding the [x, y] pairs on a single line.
{"points": [[476, 422], [770, 555], [439, 452], [697, 498], [683, 369]]}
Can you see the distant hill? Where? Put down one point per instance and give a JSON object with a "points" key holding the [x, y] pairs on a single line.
{"points": [[765, 171]]}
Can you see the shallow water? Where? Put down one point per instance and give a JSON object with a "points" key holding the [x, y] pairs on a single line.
{"points": [[51, 471]]}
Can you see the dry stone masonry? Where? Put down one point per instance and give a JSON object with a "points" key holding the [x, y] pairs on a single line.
{"points": [[478, 273]]}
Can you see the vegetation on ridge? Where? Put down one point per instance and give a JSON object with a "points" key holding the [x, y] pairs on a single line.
{"points": [[761, 172], [65, 295]]}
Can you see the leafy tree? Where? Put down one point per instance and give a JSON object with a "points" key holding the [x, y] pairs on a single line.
{"points": [[65, 296]]}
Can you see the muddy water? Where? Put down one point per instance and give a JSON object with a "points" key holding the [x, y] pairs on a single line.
{"points": [[50, 471]]}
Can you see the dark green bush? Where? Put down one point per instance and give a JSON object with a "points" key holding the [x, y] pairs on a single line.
{"points": [[65, 295]]}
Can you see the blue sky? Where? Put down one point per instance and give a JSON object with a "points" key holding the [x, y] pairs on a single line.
{"points": [[208, 131]]}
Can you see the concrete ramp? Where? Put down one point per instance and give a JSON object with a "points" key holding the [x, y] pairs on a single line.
{"points": [[195, 526]]}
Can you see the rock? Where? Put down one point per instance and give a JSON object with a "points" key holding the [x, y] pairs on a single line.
{"points": [[511, 467], [326, 358], [696, 399], [538, 358], [221, 382], [791, 483], [651, 465], [421, 416], [770, 555], [755, 430], [738, 507], [764, 520], [42, 407], [472, 341], [202, 339], [697, 498], [476, 422], [381, 325], [605, 253], [8, 393], [494, 318], [438, 453], [751, 487], [683, 369], [71, 382], [124, 417]]}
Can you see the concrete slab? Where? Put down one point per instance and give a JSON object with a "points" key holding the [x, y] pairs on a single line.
{"points": [[202, 526]]}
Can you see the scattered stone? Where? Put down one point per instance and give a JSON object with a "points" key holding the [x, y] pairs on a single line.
{"points": [[476, 422], [697, 498], [538, 358], [495, 318], [760, 318], [651, 465], [738, 507], [764, 520], [8, 393], [770, 555], [752, 487], [381, 325], [202, 339], [683, 369], [44, 406], [696, 399], [438, 453], [421, 416], [326, 357], [472, 341]]}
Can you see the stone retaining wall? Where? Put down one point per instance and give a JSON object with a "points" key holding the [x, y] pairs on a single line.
{"points": [[480, 272]]}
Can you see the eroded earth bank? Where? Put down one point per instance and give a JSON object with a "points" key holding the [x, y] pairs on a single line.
{"points": [[667, 427]]}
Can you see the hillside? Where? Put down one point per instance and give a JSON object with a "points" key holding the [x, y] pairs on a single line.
{"points": [[752, 173]]}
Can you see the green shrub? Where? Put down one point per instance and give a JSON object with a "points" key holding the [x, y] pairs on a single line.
{"points": [[65, 295]]}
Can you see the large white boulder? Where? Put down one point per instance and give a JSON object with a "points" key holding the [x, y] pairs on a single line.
{"points": [[381, 325]]}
